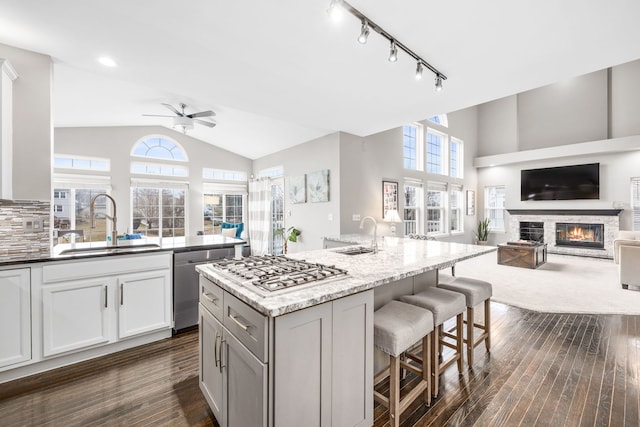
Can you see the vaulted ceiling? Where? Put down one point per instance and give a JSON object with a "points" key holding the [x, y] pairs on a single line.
{"points": [[279, 73]]}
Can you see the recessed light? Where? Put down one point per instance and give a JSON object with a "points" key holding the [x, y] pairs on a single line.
{"points": [[107, 62]]}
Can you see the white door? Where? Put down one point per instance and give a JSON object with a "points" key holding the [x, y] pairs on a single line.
{"points": [[75, 315], [144, 302], [15, 316]]}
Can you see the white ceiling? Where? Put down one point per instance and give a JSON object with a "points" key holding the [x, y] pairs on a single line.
{"points": [[279, 73]]}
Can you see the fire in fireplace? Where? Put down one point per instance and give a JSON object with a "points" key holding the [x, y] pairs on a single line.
{"points": [[580, 235]]}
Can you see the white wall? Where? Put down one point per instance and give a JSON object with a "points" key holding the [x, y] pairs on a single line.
{"points": [[116, 143], [314, 220], [32, 123], [498, 126], [625, 100]]}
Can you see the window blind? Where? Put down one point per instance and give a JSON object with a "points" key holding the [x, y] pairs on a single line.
{"points": [[635, 202]]}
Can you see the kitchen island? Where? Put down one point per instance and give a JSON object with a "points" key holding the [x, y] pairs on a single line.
{"points": [[304, 355]]}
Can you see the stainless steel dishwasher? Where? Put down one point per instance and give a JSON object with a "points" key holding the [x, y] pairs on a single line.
{"points": [[185, 284]]}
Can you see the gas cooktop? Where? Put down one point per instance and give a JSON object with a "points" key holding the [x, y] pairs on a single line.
{"points": [[274, 273]]}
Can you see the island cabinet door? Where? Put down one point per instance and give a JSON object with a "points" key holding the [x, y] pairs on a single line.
{"points": [[302, 389], [211, 336], [352, 365], [245, 384]]}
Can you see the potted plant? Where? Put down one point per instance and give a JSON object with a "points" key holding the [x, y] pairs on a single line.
{"points": [[482, 231], [292, 234]]}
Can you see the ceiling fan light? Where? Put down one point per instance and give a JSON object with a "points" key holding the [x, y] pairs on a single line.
{"points": [[364, 32], [393, 52], [183, 124]]}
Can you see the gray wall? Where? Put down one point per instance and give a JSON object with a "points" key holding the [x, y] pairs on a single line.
{"points": [[587, 108], [116, 143], [314, 220], [32, 123]]}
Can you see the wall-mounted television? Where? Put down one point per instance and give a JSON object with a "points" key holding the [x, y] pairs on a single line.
{"points": [[561, 183]]}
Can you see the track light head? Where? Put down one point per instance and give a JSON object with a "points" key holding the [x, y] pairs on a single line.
{"points": [[419, 69], [364, 32], [438, 83], [335, 10], [393, 52]]}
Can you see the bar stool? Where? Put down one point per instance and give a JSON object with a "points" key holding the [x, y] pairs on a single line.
{"points": [[475, 292], [396, 327], [444, 305]]}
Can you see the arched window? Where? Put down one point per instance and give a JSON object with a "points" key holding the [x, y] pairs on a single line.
{"points": [[159, 147], [440, 119]]}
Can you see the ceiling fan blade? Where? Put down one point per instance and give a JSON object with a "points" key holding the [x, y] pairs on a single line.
{"points": [[157, 115], [172, 108], [205, 123], [207, 113]]}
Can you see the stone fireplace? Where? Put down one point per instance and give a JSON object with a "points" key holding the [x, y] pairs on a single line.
{"points": [[586, 232]]}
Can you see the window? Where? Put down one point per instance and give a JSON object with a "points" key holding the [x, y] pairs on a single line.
{"points": [[412, 141], [158, 212], [159, 147], [456, 158], [64, 161], [57, 208], [221, 174], [219, 208], [635, 202], [58, 194], [435, 148], [412, 208], [455, 210], [440, 119], [494, 198], [436, 204], [159, 169], [72, 211], [273, 172]]}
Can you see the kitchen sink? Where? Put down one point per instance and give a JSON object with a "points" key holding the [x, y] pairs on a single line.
{"points": [[110, 249], [358, 250]]}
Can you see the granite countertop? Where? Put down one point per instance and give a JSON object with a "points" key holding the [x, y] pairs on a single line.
{"points": [[175, 244], [397, 259]]}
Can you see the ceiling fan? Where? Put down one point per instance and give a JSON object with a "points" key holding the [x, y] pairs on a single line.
{"points": [[183, 121]]}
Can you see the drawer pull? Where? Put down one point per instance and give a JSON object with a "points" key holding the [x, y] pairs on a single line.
{"points": [[210, 298], [215, 349], [242, 325]]}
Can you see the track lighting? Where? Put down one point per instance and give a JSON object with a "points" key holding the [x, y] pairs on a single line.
{"points": [[419, 69], [336, 7], [364, 32], [335, 10], [438, 83], [393, 52]]}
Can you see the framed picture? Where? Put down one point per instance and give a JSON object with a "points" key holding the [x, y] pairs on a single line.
{"points": [[318, 186], [471, 202], [298, 189], [389, 196]]}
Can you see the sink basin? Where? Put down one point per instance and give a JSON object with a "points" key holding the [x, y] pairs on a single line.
{"points": [[110, 249], [359, 250]]}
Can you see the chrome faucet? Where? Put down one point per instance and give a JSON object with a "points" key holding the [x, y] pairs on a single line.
{"points": [[114, 227], [374, 242]]}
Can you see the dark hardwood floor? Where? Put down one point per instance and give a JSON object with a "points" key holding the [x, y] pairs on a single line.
{"points": [[544, 369]]}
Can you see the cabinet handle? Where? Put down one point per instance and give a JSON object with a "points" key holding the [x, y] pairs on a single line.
{"points": [[215, 349], [221, 345], [106, 298], [242, 325], [209, 298], [121, 294]]}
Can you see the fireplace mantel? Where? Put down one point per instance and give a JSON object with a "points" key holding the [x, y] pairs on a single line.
{"points": [[590, 212]]}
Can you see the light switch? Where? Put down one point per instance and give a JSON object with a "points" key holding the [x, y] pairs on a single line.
{"points": [[355, 217]]}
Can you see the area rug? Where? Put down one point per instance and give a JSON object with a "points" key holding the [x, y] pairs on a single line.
{"points": [[565, 284]]}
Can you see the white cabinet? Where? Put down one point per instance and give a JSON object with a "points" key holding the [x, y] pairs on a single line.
{"points": [[86, 303], [76, 314], [324, 364], [15, 316], [144, 303], [210, 331]]}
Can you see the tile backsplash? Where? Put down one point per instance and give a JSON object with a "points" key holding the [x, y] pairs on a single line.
{"points": [[24, 229]]}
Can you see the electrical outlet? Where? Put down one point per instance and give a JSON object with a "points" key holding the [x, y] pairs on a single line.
{"points": [[330, 217], [355, 217]]}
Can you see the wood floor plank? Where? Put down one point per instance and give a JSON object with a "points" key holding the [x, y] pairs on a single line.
{"points": [[581, 369]]}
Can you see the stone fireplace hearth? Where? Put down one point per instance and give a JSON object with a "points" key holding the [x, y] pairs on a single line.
{"points": [[599, 228]]}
